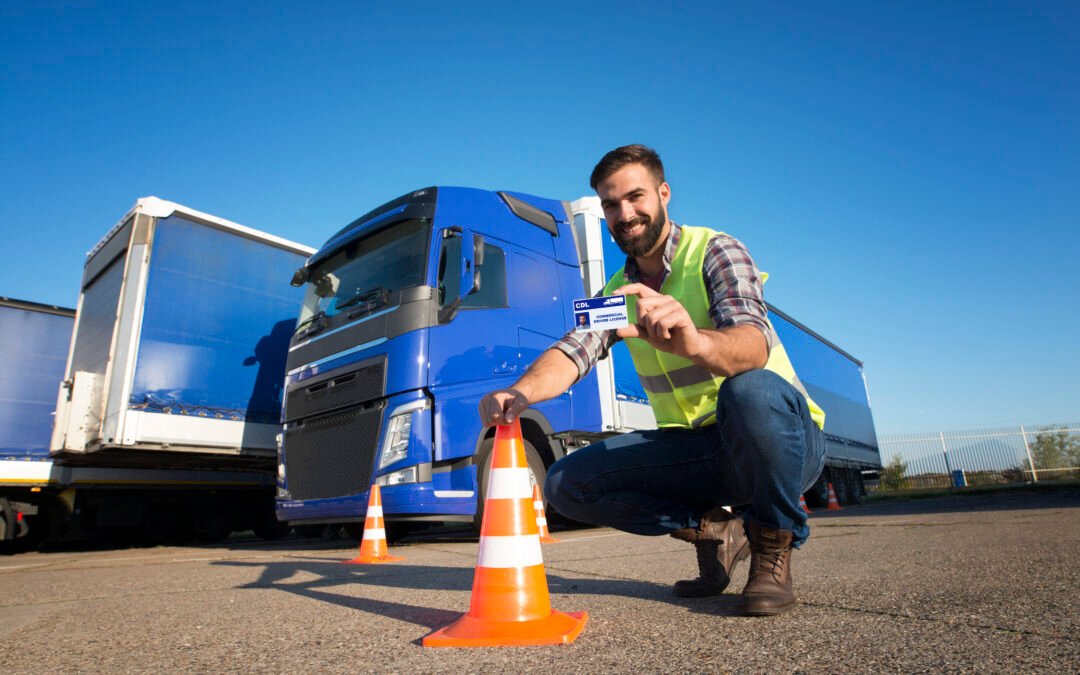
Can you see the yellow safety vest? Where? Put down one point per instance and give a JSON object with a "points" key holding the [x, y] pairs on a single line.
{"points": [[683, 394]]}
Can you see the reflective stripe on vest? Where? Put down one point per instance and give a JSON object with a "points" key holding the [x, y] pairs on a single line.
{"points": [[681, 393]]}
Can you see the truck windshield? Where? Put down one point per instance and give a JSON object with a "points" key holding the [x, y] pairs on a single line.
{"points": [[359, 278]]}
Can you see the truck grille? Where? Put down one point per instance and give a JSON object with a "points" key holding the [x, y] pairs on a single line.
{"points": [[332, 455], [323, 394]]}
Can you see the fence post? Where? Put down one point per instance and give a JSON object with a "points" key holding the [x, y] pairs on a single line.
{"points": [[945, 451], [1027, 449]]}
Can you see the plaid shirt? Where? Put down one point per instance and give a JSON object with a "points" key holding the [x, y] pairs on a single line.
{"points": [[731, 280]]}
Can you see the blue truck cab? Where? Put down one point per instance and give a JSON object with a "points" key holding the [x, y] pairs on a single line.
{"points": [[413, 312], [417, 309]]}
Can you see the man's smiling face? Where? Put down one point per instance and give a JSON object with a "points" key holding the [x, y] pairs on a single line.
{"points": [[635, 206]]}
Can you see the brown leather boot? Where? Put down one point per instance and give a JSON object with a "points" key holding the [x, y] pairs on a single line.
{"points": [[769, 590], [721, 543]]}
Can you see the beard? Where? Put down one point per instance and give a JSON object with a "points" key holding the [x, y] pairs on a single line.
{"points": [[638, 246]]}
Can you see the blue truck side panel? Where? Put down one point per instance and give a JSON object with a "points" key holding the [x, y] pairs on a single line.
{"points": [[836, 383], [218, 315], [35, 346]]}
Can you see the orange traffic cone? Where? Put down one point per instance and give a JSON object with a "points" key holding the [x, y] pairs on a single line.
{"points": [[802, 503], [373, 544], [541, 518], [834, 505], [510, 602]]}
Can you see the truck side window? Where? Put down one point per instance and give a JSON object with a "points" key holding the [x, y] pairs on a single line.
{"points": [[492, 291]]}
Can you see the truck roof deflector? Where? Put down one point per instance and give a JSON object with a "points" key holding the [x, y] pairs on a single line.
{"points": [[531, 214]]}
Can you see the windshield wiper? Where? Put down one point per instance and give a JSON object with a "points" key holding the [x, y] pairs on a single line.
{"points": [[372, 299], [318, 318]]}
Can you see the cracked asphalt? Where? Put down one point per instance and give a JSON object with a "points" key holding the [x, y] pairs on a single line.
{"points": [[982, 583]]}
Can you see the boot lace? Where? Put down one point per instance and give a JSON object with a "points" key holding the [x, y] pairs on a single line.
{"points": [[769, 560]]}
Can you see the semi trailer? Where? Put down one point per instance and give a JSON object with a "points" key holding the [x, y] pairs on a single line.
{"points": [[169, 383], [418, 308]]}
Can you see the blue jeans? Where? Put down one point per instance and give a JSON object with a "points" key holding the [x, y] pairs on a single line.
{"points": [[763, 452]]}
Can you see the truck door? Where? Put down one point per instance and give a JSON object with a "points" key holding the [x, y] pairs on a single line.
{"points": [[472, 352]]}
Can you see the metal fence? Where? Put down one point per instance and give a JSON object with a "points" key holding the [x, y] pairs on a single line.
{"points": [[983, 457]]}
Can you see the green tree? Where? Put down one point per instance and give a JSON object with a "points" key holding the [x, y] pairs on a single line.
{"points": [[1055, 449], [892, 477]]}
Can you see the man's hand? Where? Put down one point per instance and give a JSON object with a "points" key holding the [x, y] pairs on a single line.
{"points": [[502, 406], [663, 322]]}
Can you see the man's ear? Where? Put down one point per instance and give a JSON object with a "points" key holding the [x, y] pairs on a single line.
{"points": [[665, 193]]}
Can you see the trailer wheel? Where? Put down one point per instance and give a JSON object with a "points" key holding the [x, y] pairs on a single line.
{"points": [[537, 473], [858, 488], [7, 520], [818, 494], [838, 477]]}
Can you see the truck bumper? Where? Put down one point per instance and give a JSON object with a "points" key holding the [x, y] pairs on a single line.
{"points": [[400, 502]]}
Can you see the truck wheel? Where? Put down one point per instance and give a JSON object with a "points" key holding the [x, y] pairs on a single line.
{"points": [[856, 489], [211, 529], [7, 520], [818, 494], [157, 527], [537, 473], [840, 485]]}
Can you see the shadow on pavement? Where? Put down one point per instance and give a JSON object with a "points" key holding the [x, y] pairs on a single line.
{"points": [[321, 576]]}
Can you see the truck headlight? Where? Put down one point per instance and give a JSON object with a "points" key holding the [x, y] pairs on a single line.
{"points": [[395, 445]]}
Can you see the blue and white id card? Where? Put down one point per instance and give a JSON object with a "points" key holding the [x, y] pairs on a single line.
{"points": [[604, 313]]}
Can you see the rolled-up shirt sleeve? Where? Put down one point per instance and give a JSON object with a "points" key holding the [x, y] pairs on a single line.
{"points": [[734, 286], [586, 348]]}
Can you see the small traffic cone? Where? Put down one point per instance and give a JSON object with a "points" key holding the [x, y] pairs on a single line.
{"points": [[802, 503], [541, 518], [834, 505], [510, 603], [373, 544]]}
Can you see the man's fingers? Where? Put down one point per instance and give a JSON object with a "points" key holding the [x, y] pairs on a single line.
{"points": [[502, 407], [631, 331], [661, 320]]}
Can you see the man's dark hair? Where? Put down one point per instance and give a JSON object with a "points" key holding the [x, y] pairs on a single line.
{"points": [[627, 154]]}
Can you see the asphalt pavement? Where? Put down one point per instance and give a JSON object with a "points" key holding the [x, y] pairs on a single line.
{"points": [[982, 583]]}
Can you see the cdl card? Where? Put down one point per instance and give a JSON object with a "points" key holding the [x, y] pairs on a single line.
{"points": [[604, 313]]}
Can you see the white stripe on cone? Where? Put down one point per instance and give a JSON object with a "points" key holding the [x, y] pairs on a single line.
{"points": [[375, 533], [509, 484], [374, 512], [510, 551]]}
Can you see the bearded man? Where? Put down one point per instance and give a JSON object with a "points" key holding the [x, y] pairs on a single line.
{"points": [[735, 425]]}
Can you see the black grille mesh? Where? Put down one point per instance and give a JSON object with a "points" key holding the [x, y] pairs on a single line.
{"points": [[332, 455], [364, 384]]}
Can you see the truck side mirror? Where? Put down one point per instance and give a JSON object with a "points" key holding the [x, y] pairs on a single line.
{"points": [[300, 277], [478, 261], [468, 256], [470, 278]]}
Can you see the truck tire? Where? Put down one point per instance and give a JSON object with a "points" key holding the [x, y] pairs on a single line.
{"points": [[537, 473], [856, 488], [838, 477], [7, 521], [818, 494]]}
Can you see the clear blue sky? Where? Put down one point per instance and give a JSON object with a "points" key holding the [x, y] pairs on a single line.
{"points": [[909, 173]]}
